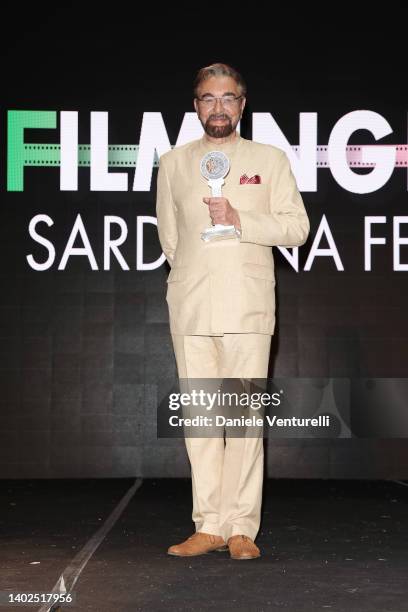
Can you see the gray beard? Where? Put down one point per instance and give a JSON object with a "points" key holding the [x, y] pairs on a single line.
{"points": [[218, 131]]}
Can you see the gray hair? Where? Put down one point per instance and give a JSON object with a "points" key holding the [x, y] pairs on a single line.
{"points": [[219, 70]]}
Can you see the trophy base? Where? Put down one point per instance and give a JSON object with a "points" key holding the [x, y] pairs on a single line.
{"points": [[219, 232]]}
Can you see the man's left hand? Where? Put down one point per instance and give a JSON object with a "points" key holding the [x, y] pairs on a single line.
{"points": [[222, 212]]}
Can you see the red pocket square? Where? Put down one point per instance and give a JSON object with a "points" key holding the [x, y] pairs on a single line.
{"points": [[245, 179]]}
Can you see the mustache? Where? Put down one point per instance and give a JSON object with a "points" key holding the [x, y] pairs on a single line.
{"points": [[218, 117]]}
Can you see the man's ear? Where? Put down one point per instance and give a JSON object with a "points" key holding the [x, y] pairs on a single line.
{"points": [[243, 105], [195, 105]]}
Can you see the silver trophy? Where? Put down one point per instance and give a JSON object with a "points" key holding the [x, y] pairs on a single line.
{"points": [[214, 167]]}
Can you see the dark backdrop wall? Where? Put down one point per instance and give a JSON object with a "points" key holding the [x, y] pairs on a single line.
{"points": [[82, 349]]}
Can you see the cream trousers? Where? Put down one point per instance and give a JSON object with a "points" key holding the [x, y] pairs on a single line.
{"points": [[227, 475]]}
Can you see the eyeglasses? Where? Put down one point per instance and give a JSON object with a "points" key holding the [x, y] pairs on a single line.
{"points": [[226, 101]]}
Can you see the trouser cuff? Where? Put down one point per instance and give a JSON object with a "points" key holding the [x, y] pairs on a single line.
{"points": [[206, 527]]}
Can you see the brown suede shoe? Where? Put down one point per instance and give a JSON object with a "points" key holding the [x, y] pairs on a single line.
{"points": [[198, 544], [242, 547]]}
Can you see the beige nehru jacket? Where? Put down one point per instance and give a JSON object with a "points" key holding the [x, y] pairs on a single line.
{"points": [[226, 285]]}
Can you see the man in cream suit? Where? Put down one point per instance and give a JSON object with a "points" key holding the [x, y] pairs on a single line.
{"points": [[221, 295]]}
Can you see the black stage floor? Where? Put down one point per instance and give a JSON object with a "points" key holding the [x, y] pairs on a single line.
{"points": [[325, 544]]}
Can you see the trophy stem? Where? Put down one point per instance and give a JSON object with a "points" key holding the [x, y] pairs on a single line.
{"points": [[214, 166]]}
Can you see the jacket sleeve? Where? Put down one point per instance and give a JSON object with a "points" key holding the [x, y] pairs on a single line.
{"points": [[287, 223], [166, 214]]}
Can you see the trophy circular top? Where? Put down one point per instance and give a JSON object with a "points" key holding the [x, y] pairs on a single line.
{"points": [[214, 165]]}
